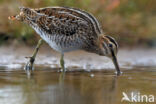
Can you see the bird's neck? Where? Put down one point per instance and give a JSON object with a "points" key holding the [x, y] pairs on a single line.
{"points": [[94, 47], [99, 44]]}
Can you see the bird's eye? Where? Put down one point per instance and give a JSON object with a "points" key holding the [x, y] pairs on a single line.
{"points": [[110, 45]]}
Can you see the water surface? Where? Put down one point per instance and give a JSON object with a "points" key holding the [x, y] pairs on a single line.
{"points": [[90, 79], [47, 86]]}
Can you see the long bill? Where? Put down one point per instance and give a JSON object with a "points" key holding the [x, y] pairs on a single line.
{"points": [[115, 61]]}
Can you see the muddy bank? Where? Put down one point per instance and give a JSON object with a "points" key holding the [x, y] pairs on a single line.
{"points": [[47, 86], [13, 57]]}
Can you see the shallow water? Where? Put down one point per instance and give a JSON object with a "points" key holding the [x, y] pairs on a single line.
{"points": [[85, 82], [47, 86]]}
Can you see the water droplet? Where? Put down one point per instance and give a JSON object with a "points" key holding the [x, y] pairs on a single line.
{"points": [[92, 75]]}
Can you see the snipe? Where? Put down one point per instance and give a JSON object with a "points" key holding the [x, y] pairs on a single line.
{"points": [[67, 29]]}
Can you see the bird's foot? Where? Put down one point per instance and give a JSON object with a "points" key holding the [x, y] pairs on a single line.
{"points": [[29, 65], [62, 70]]}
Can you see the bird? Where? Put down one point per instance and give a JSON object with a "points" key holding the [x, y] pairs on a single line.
{"points": [[67, 29]]}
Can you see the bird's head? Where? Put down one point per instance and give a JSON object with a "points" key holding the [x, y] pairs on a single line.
{"points": [[109, 47], [106, 45]]}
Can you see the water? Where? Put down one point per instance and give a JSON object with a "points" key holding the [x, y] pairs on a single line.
{"points": [[47, 86], [85, 82]]}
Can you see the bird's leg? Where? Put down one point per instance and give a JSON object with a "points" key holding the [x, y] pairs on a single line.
{"points": [[29, 65], [62, 63]]}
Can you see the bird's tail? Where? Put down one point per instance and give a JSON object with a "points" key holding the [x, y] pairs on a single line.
{"points": [[28, 12]]}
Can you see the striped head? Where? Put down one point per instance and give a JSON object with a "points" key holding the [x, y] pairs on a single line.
{"points": [[106, 44], [109, 47]]}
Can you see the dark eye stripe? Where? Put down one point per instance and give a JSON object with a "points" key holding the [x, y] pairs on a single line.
{"points": [[113, 41], [105, 47]]}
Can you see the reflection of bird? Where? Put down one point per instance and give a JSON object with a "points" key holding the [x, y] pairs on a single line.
{"points": [[125, 97], [67, 29]]}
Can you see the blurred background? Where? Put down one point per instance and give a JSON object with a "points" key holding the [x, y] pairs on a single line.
{"points": [[131, 22], [90, 78]]}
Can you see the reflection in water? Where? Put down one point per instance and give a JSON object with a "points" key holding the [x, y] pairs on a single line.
{"points": [[50, 87], [61, 78]]}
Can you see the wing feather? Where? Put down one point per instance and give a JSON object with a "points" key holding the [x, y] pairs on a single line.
{"points": [[62, 24], [72, 16]]}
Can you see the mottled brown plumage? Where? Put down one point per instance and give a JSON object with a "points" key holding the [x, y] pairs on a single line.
{"points": [[66, 29]]}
